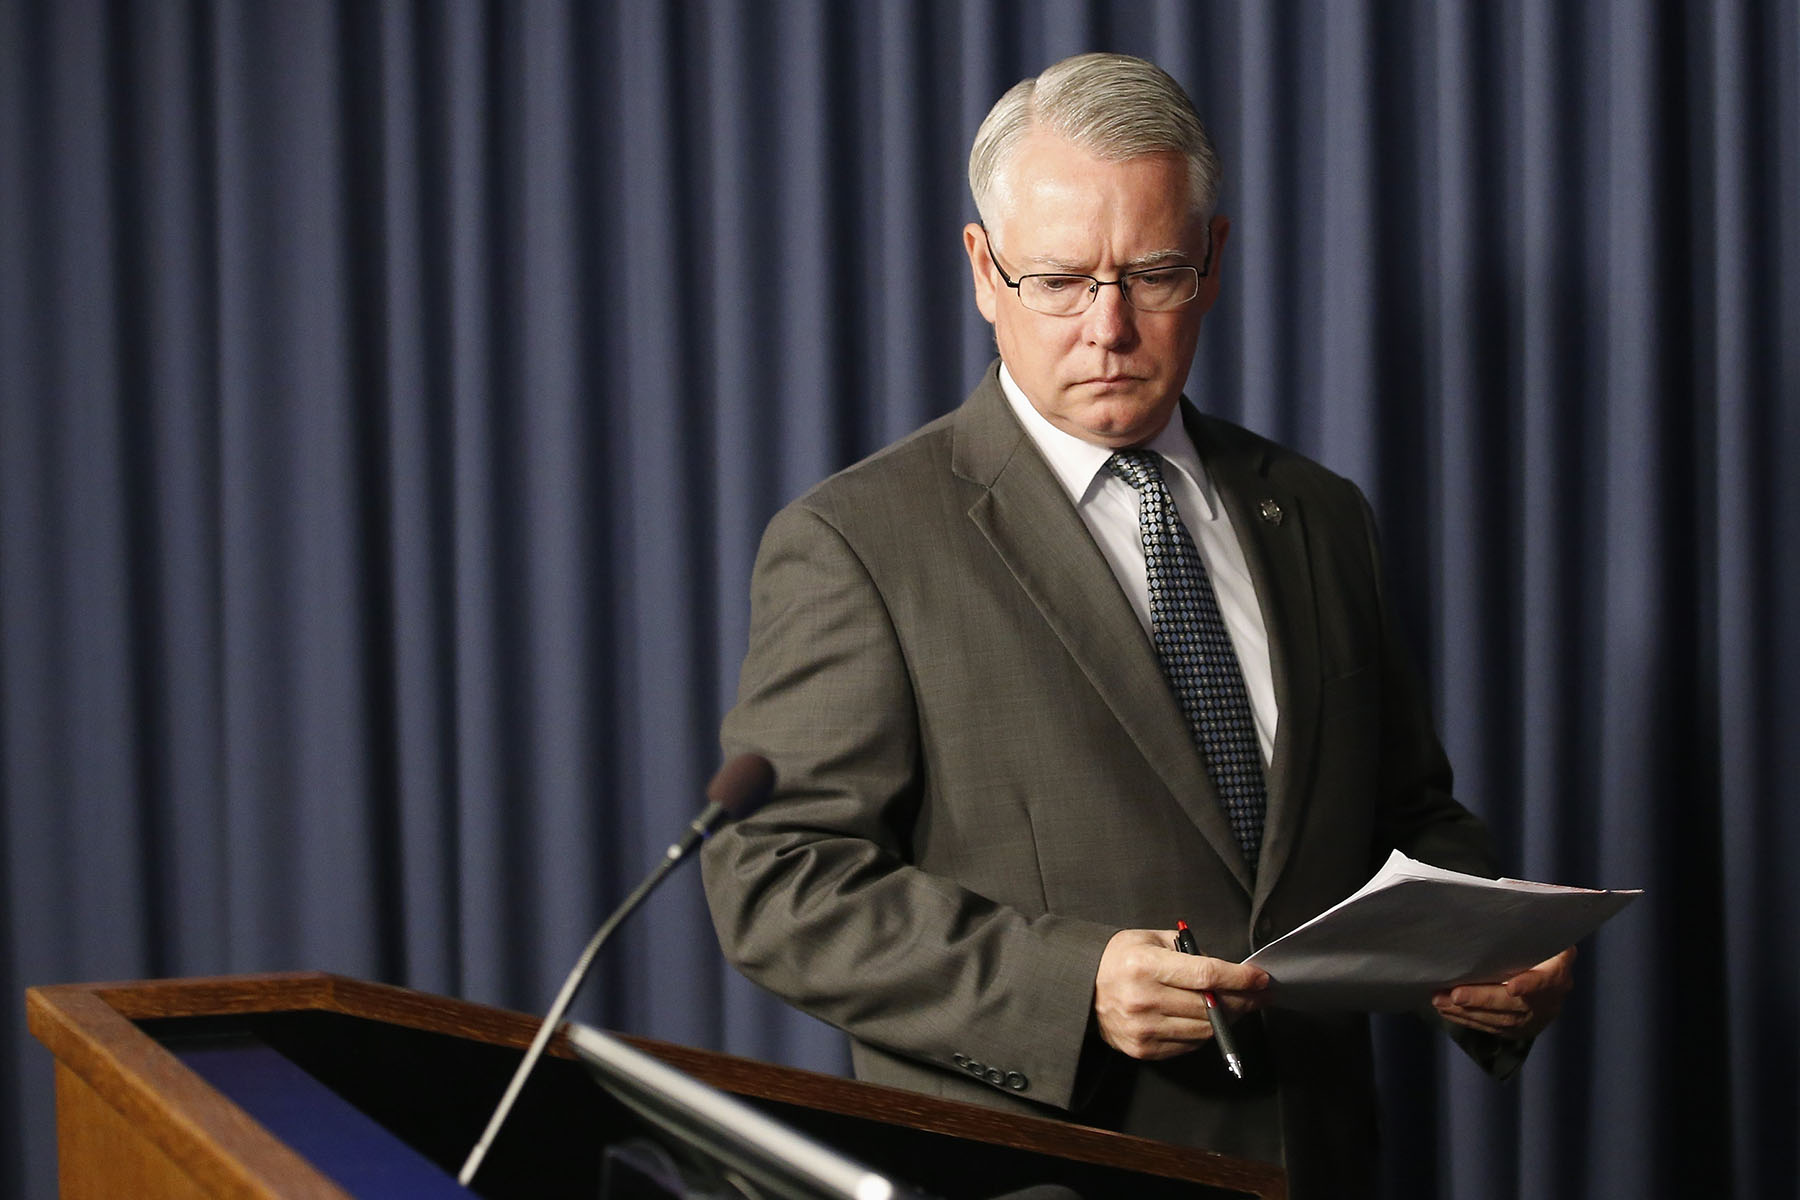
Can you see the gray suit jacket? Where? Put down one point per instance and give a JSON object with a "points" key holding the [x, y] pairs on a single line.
{"points": [[983, 775]]}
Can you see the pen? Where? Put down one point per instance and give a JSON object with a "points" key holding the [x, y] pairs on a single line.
{"points": [[1184, 942]]}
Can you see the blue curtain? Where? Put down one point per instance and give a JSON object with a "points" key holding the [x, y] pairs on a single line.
{"points": [[392, 395]]}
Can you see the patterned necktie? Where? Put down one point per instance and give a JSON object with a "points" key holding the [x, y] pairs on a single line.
{"points": [[1196, 652]]}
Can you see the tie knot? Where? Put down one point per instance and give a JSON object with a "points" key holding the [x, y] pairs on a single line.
{"points": [[1139, 468]]}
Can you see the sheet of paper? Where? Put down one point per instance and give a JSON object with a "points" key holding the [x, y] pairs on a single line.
{"points": [[1415, 928]]}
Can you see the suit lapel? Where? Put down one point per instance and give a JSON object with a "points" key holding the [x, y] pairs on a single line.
{"points": [[1028, 520], [1275, 549]]}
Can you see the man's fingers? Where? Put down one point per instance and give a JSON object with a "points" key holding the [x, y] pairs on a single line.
{"points": [[1488, 1009], [1520, 1007], [1152, 1020], [1147, 996], [1159, 1036], [1485, 996], [1151, 952], [1215, 974], [1553, 974], [1198, 971], [1487, 1021], [1552, 977]]}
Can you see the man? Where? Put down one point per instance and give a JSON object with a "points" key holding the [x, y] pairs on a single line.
{"points": [[1014, 741]]}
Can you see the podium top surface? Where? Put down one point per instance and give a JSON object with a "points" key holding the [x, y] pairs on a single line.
{"points": [[98, 1033]]}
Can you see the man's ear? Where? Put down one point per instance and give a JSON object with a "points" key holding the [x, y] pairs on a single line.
{"points": [[1209, 286], [981, 267], [1221, 230]]}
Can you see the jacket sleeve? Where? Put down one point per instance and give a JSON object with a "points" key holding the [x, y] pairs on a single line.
{"points": [[817, 896]]}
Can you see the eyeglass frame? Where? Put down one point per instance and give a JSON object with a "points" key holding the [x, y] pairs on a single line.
{"points": [[1200, 272]]}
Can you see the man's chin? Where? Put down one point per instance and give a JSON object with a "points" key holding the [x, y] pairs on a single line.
{"points": [[1120, 419]]}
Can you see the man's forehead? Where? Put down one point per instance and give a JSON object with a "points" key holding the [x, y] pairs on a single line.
{"points": [[1051, 260], [1062, 206], [1031, 239]]}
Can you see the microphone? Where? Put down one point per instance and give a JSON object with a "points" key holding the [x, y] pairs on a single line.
{"points": [[740, 788]]}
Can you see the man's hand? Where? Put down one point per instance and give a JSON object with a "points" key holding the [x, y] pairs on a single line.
{"points": [[1518, 1008], [1147, 994]]}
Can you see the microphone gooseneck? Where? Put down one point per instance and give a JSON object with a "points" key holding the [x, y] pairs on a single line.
{"points": [[740, 788]]}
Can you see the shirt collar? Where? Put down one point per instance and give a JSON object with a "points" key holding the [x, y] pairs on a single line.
{"points": [[1077, 465]]}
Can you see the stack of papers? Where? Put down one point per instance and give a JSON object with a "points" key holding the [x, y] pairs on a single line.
{"points": [[1416, 928]]}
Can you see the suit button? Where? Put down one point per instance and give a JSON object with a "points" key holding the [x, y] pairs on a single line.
{"points": [[1016, 1081], [995, 1076], [961, 1060], [973, 1067]]}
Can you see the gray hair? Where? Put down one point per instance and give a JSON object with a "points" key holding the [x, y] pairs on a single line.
{"points": [[1111, 105]]}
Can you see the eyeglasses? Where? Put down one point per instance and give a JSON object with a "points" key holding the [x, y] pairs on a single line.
{"points": [[1065, 294]]}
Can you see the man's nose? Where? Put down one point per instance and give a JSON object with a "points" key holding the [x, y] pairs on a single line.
{"points": [[1112, 322]]}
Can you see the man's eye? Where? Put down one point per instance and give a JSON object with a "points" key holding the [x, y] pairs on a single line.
{"points": [[1059, 283], [1157, 279]]}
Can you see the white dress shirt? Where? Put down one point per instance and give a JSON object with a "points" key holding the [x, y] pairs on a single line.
{"points": [[1109, 507]]}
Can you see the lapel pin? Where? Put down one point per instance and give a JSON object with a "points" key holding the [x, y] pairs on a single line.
{"points": [[1269, 511]]}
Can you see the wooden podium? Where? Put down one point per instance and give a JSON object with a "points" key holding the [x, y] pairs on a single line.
{"points": [[313, 1085]]}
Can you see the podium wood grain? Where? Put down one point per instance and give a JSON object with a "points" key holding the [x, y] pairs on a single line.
{"points": [[133, 1120]]}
